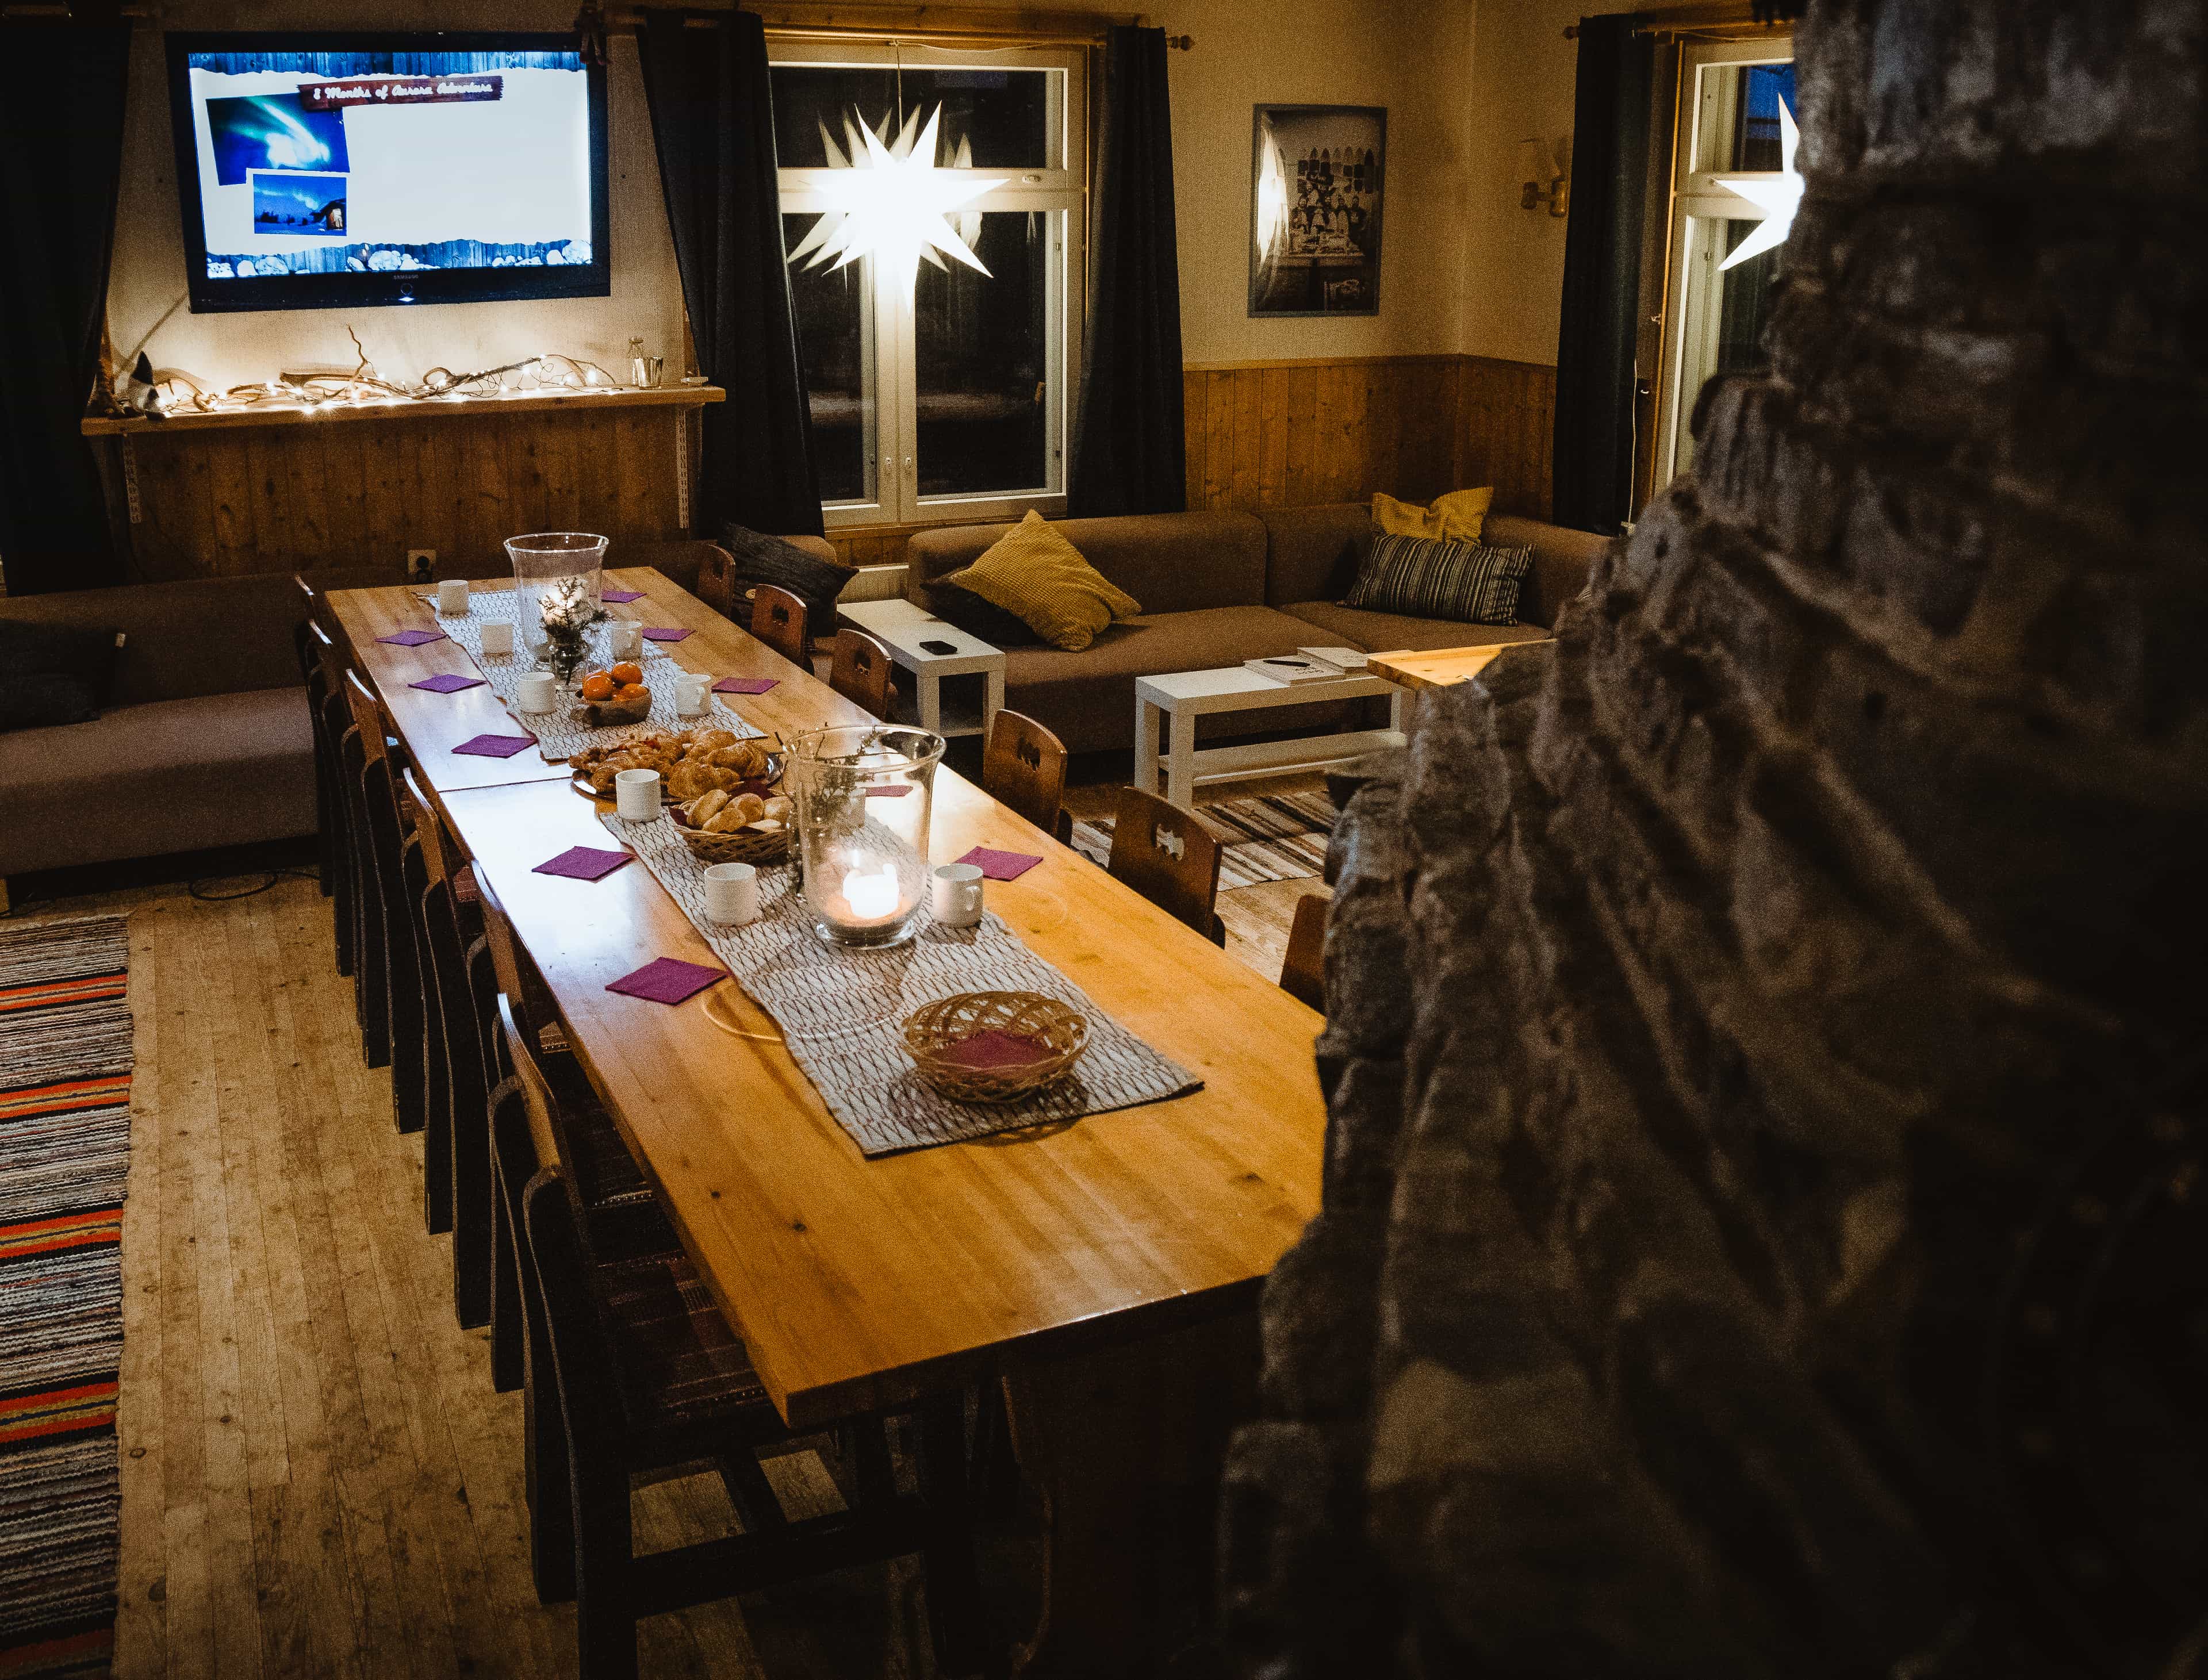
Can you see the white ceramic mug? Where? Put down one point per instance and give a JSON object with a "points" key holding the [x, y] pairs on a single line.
{"points": [[732, 894], [627, 639], [453, 595], [693, 694], [537, 691], [954, 894], [498, 639], [636, 794]]}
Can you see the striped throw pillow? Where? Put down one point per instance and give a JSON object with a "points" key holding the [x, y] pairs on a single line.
{"points": [[1424, 576]]}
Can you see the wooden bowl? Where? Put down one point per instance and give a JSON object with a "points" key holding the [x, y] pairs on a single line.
{"points": [[935, 1034], [738, 845]]}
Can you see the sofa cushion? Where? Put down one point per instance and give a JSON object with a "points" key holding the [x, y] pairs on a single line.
{"points": [[168, 775], [1170, 562], [1033, 573], [1389, 633], [53, 673], [1424, 576], [1454, 517], [202, 636], [978, 617], [814, 579], [1312, 554], [1089, 698]]}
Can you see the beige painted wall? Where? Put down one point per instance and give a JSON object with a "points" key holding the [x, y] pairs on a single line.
{"points": [[223, 349]]}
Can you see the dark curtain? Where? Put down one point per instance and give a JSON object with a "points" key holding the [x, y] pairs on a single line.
{"points": [[705, 78], [1593, 460], [1128, 451], [61, 159]]}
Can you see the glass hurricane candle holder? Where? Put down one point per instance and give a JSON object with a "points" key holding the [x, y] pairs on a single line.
{"points": [[555, 569], [863, 794]]}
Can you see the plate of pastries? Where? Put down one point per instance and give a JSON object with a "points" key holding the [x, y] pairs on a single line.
{"points": [[690, 762]]}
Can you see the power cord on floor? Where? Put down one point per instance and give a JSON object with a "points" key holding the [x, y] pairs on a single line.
{"points": [[273, 877]]}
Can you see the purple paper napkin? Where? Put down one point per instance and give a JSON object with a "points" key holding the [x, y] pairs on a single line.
{"points": [[998, 866], [413, 637], [666, 634], [445, 683], [494, 746], [666, 980], [893, 790], [582, 863], [619, 597], [996, 1048], [745, 685]]}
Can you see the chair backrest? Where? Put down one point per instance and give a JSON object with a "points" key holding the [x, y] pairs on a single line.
{"points": [[519, 979], [429, 825], [367, 714], [581, 1361], [861, 672], [1023, 765], [535, 1091], [1168, 857], [1302, 973], [778, 620]]}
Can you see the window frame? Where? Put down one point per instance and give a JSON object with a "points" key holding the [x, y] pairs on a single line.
{"points": [[1697, 197], [1060, 189]]}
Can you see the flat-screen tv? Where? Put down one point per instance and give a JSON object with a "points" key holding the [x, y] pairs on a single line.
{"points": [[332, 170]]}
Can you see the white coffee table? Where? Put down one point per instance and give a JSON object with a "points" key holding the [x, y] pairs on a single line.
{"points": [[1183, 697], [903, 628]]}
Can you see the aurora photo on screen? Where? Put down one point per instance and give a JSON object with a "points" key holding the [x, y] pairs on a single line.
{"points": [[347, 170]]}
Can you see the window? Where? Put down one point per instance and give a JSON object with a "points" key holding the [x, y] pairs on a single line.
{"points": [[1729, 97], [956, 402]]}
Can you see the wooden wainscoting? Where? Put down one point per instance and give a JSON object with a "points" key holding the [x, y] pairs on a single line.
{"points": [[1285, 434], [356, 491]]}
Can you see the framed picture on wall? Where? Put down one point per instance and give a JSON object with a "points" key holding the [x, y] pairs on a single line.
{"points": [[1317, 175]]}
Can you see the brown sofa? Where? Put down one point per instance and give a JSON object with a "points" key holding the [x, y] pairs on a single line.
{"points": [[205, 742], [1221, 588]]}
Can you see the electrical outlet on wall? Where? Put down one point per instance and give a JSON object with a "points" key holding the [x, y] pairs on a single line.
{"points": [[421, 564]]}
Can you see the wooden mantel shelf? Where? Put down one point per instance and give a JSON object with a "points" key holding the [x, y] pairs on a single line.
{"points": [[400, 408]]}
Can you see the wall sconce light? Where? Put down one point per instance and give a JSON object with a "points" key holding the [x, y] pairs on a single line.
{"points": [[1544, 175]]}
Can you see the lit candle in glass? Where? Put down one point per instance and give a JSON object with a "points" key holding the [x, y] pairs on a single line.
{"points": [[862, 793], [872, 898]]}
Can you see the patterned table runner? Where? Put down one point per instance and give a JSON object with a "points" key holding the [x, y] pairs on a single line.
{"points": [[561, 734], [842, 1011]]}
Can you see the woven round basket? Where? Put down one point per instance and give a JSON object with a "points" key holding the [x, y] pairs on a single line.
{"points": [[738, 845], [608, 714], [933, 1032]]}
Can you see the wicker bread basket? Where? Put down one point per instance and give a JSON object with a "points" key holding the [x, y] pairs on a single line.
{"points": [[738, 845], [934, 1033]]}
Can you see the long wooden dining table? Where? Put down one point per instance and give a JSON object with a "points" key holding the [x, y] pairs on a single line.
{"points": [[1105, 1269]]}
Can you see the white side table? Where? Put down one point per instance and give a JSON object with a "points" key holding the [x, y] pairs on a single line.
{"points": [[905, 630], [1184, 696]]}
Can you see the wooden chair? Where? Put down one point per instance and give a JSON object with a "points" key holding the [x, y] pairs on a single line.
{"points": [[778, 620], [1023, 766], [474, 1067], [863, 672], [306, 638], [633, 1370], [332, 810], [1170, 857], [391, 922], [1302, 973]]}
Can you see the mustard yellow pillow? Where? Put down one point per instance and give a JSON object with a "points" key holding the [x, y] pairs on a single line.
{"points": [[1454, 517], [1033, 573]]}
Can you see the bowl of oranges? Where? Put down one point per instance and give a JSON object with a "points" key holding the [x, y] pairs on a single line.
{"points": [[616, 695]]}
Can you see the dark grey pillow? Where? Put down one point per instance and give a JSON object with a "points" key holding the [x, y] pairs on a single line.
{"points": [[54, 673], [769, 560], [978, 617], [1428, 577]]}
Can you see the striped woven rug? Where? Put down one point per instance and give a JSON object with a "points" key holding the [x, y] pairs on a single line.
{"points": [[65, 1056], [1281, 839]]}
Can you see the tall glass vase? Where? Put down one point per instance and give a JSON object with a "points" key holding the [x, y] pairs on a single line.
{"points": [[558, 568], [864, 793]]}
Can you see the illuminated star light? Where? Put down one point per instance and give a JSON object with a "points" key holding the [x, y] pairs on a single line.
{"points": [[1781, 195], [892, 203]]}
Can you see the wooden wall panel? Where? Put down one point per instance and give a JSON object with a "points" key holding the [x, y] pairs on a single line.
{"points": [[1506, 422], [362, 492]]}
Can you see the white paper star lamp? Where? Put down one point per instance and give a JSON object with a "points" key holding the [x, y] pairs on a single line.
{"points": [[892, 203], [1780, 195]]}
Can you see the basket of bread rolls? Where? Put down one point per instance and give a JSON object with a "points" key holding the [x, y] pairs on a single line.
{"points": [[745, 827]]}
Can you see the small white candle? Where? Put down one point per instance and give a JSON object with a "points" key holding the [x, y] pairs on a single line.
{"points": [[872, 898]]}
